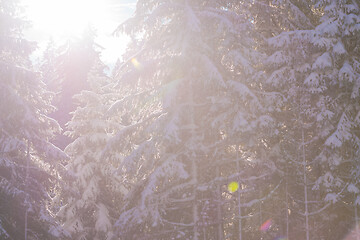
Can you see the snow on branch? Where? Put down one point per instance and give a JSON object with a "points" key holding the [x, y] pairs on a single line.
{"points": [[127, 129], [341, 134], [193, 23], [254, 201]]}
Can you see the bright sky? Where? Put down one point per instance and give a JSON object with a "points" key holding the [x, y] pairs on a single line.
{"points": [[61, 19]]}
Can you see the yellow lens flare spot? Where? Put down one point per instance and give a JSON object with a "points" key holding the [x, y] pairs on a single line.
{"points": [[233, 187], [136, 63]]}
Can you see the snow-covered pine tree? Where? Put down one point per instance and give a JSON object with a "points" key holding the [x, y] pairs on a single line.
{"points": [[271, 18], [73, 61], [317, 113], [249, 130], [91, 197], [239, 114], [224, 59], [174, 88], [48, 68], [28, 161], [338, 37]]}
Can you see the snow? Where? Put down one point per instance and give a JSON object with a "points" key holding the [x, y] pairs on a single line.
{"points": [[84, 171], [244, 92], [322, 42], [322, 62], [212, 70], [357, 118], [240, 122], [102, 221], [329, 27], [327, 114], [339, 48], [350, 20], [333, 140], [166, 157], [281, 40], [98, 138], [70, 212], [346, 73], [331, 197], [278, 58], [276, 77], [224, 21], [171, 130], [341, 134], [193, 23], [115, 107], [312, 80], [352, 188], [240, 60], [202, 188], [10, 145], [169, 92], [265, 121], [356, 88], [303, 68], [3, 232], [89, 194]]}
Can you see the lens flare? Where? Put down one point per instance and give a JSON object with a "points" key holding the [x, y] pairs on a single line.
{"points": [[136, 63], [266, 225], [353, 234], [233, 187]]}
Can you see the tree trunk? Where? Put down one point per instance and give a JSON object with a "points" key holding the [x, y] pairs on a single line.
{"points": [[218, 205], [193, 161], [239, 196], [26, 186], [305, 187], [287, 206], [356, 221]]}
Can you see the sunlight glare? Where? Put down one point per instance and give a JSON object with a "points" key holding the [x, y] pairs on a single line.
{"points": [[64, 18]]}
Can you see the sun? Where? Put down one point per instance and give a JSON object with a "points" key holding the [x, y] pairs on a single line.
{"points": [[61, 20], [64, 18]]}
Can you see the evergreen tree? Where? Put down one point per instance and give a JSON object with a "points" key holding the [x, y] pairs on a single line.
{"points": [[48, 68], [72, 65], [338, 34], [260, 94], [315, 117], [28, 161], [91, 195], [178, 102], [239, 112]]}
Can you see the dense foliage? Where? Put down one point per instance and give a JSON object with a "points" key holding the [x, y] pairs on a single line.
{"points": [[262, 95], [29, 163]]}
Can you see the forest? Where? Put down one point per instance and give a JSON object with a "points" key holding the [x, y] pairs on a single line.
{"points": [[223, 120]]}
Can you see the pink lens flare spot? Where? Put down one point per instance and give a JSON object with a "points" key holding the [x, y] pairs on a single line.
{"points": [[266, 225]]}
